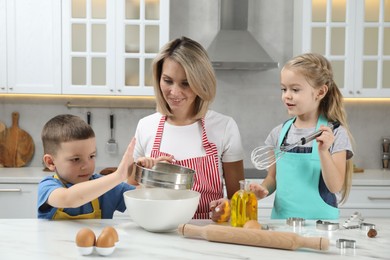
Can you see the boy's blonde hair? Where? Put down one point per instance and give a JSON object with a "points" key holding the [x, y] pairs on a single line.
{"points": [[317, 70], [64, 128], [199, 71]]}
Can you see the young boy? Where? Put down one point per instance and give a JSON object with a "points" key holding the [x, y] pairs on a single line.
{"points": [[74, 191]]}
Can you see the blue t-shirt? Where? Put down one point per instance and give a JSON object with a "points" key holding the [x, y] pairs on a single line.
{"points": [[109, 202]]}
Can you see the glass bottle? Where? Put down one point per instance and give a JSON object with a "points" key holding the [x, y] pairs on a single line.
{"points": [[243, 206]]}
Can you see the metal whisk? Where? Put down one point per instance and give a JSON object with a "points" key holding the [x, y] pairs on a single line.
{"points": [[265, 156]]}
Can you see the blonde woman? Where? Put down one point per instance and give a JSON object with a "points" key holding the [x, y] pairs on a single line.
{"points": [[308, 179], [185, 131]]}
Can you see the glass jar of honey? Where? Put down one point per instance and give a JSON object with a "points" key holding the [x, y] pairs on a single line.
{"points": [[243, 205]]}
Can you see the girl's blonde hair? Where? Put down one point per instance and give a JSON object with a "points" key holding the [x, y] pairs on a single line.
{"points": [[317, 70], [199, 71]]}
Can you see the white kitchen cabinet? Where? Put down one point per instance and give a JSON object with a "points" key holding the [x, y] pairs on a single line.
{"points": [[370, 201], [369, 195], [3, 50], [354, 35], [108, 46], [265, 206], [30, 46], [18, 200]]}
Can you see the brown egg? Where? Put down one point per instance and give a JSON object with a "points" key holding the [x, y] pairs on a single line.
{"points": [[112, 231], [106, 239], [85, 238], [253, 224]]}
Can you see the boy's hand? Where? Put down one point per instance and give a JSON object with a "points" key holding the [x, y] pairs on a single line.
{"points": [[260, 191], [127, 160]]}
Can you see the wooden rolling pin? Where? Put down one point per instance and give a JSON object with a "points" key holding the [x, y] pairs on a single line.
{"points": [[253, 237]]}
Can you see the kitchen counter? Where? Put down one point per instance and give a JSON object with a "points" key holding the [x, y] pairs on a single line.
{"points": [[22, 175], [45, 239], [376, 177]]}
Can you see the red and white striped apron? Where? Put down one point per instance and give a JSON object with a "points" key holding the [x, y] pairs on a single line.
{"points": [[207, 180]]}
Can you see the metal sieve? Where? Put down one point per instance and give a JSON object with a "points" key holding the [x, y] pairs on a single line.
{"points": [[165, 175]]}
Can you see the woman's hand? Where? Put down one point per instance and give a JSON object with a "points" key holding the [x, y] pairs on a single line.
{"points": [[259, 190], [220, 210], [148, 162]]}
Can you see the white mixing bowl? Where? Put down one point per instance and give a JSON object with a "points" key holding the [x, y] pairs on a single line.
{"points": [[160, 209]]}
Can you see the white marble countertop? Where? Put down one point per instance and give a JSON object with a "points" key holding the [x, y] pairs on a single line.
{"points": [[45, 239], [374, 177]]}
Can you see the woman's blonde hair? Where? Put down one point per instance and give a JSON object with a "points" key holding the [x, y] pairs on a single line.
{"points": [[199, 71], [317, 70]]}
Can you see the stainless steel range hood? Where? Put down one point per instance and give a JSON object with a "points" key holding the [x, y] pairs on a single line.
{"points": [[234, 47]]}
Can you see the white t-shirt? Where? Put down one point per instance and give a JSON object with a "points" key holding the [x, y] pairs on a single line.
{"points": [[185, 142]]}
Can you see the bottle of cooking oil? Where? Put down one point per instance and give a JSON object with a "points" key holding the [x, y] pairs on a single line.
{"points": [[243, 206]]}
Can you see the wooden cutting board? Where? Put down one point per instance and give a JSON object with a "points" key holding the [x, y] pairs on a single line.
{"points": [[3, 127], [16, 145]]}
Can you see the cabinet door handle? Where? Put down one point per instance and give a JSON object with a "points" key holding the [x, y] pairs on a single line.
{"points": [[10, 190], [378, 198]]}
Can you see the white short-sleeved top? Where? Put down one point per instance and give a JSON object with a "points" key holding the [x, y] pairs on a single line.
{"points": [[185, 142]]}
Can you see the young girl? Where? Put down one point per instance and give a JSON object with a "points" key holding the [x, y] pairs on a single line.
{"points": [[308, 178]]}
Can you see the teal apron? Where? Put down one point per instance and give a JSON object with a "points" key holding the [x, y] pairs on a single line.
{"points": [[297, 180]]}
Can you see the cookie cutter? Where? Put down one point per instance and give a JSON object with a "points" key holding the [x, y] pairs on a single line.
{"points": [[366, 226], [295, 222], [328, 226], [354, 221], [345, 243]]}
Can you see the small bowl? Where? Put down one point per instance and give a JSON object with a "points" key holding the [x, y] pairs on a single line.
{"points": [[159, 209], [105, 251], [165, 175], [85, 250]]}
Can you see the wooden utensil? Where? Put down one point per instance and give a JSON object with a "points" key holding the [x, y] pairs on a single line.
{"points": [[253, 237], [2, 128], [17, 147]]}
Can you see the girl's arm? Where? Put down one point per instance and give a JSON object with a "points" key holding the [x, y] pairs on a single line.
{"points": [[84, 192], [333, 170], [333, 166], [268, 186]]}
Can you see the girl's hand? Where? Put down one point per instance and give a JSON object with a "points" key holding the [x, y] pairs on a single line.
{"points": [[326, 139], [259, 190], [220, 210]]}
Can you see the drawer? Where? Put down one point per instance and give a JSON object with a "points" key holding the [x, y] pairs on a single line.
{"points": [[18, 200], [372, 197]]}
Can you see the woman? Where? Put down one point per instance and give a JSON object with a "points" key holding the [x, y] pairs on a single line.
{"points": [[185, 131]]}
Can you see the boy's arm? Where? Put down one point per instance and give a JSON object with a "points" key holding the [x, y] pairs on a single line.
{"points": [[84, 192]]}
